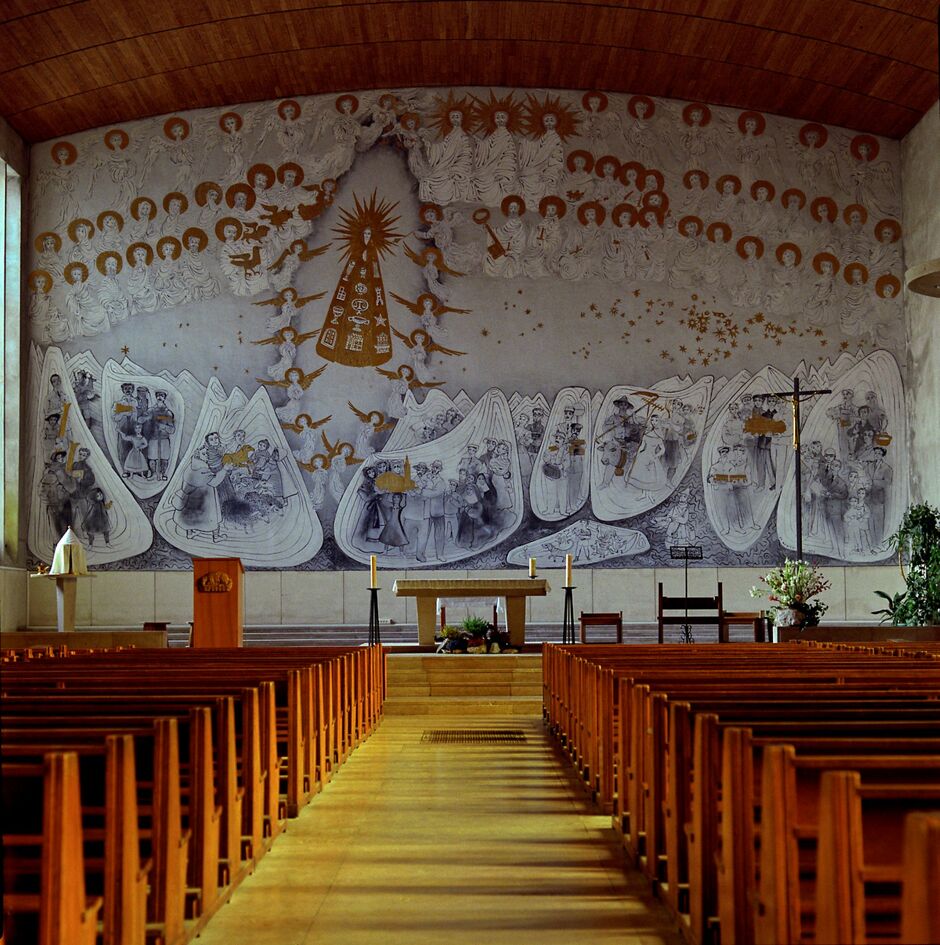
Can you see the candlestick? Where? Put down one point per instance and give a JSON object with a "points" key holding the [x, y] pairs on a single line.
{"points": [[531, 567], [374, 572], [568, 570]]}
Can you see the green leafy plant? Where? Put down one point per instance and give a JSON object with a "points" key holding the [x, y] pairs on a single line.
{"points": [[793, 586], [917, 541], [475, 626], [449, 632]]}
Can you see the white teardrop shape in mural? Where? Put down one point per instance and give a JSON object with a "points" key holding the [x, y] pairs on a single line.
{"points": [[746, 458], [853, 468], [237, 489], [143, 426], [73, 482], [644, 442], [588, 542], [432, 418], [561, 473], [437, 502]]}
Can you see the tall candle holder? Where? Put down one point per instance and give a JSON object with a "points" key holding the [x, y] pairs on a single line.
{"points": [[567, 626], [375, 637]]}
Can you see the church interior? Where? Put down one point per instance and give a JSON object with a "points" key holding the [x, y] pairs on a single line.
{"points": [[470, 472]]}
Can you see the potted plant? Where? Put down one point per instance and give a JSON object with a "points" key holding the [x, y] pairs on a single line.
{"points": [[791, 589], [918, 541], [475, 629]]}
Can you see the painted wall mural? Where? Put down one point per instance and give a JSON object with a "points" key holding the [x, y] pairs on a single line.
{"points": [[464, 326]]}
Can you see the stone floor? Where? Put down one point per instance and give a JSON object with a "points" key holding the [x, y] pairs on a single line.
{"points": [[425, 844]]}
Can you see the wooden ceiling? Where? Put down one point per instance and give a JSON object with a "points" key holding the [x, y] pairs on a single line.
{"points": [[68, 65]]}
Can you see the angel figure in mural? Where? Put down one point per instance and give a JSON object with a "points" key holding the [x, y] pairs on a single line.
{"points": [[407, 136], [321, 197], [869, 181], [289, 303], [429, 310], [230, 137], [49, 325], [696, 138], [546, 238], [318, 469], [168, 280], [295, 382], [403, 379], [754, 148], [369, 425], [547, 124], [288, 340], [439, 229], [342, 456], [176, 146], [637, 130], [346, 128], [200, 282], [286, 265], [384, 114], [305, 427], [507, 242], [421, 345], [48, 245], [57, 186], [496, 160], [695, 203], [597, 124], [431, 261], [807, 146], [448, 174], [289, 126], [111, 295]]}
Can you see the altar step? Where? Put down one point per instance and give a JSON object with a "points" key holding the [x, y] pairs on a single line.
{"points": [[466, 685]]}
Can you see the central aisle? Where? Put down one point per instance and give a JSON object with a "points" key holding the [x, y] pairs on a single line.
{"points": [[429, 844]]}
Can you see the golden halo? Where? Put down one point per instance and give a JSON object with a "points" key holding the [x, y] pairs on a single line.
{"points": [[693, 106], [175, 120], [617, 213], [131, 250], [223, 223], [883, 281], [821, 132], [46, 279], [783, 247], [852, 208], [553, 201], [714, 227], [74, 225], [685, 221], [236, 116], [894, 226], [720, 183], [608, 160], [68, 147], [687, 178], [176, 195], [766, 184], [533, 122], [598, 95], [75, 266], [484, 113], [427, 208], [821, 202], [855, 267], [756, 240], [600, 213], [347, 98], [444, 108], [658, 179], [758, 117], [110, 213], [204, 188], [103, 257], [125, 139], [820, 258], [41, 238], [264, 169], [873, 147], [240, 188], [793, 192], [650, 106], [509, 200], [199, 234], [137, 203], [172, 241], [282, 107], [291, 166], [588, 160]]}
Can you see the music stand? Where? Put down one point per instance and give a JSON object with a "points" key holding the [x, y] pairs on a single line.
{"points": [[686, 553]]}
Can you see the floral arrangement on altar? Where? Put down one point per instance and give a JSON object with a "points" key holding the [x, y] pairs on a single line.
{"points": [[474, 635], [791, 589]]}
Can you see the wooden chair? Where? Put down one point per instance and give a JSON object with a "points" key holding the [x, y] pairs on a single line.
{"points": [[713, 604], [740, 618], [612, 619]]}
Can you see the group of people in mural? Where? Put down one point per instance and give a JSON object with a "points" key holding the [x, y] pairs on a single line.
{"points": [[423, 513], [230, 484], [644, 446], [145, 427], [68, 486], [563, 464]]}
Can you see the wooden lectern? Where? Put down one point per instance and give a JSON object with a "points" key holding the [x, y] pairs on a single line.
{"points": [[218, 602]]}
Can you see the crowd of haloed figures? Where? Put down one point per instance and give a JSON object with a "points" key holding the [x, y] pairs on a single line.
{"points": [[845, 487]]}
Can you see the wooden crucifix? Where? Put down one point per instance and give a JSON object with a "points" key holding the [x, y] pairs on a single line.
{"points": [[796, 397]]}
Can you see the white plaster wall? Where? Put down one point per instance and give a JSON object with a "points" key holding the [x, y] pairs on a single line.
{"points": [[331, 598], [920, 190]]}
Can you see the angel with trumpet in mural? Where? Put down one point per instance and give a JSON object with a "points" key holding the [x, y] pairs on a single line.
{"points": [[305, 427], [341, 456], [286, 265], [403, 379], [431, 261], [289, 302], [370, 423], [429, 309], [421, 345]]}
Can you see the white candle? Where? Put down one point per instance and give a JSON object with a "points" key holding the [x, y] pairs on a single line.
{"points": [[568, 571], [531, 567], [374, 571]]}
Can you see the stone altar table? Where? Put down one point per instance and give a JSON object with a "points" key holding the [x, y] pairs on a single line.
{"points": [[515, 591]]}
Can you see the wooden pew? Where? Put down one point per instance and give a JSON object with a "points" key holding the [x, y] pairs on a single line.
{"points": [[45, 799]]}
